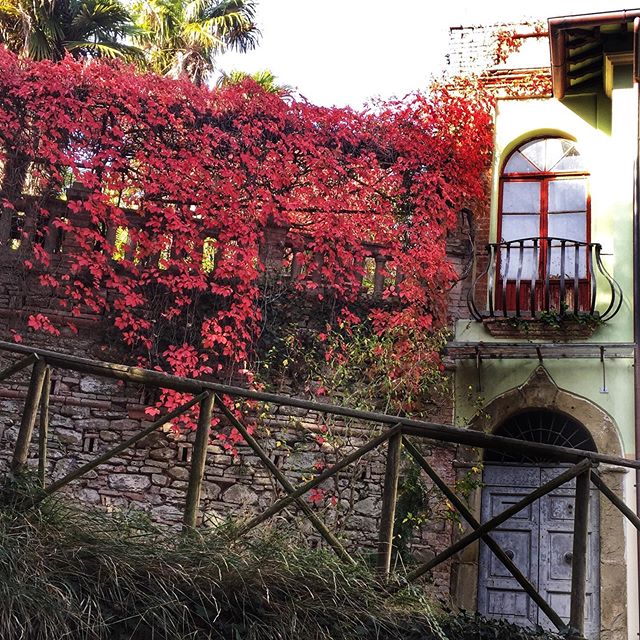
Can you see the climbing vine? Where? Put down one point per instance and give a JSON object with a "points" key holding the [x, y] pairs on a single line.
{"points": [[171, 193]]}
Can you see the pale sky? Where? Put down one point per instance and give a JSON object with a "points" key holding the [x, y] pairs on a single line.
{"points": [[344, 52]]}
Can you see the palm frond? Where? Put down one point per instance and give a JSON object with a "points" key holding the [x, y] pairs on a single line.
{"points": [[39, 46], [101, 17], [105, 49], [201, 34]]}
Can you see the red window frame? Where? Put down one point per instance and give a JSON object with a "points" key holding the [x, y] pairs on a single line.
{"points": [[544, 178]]}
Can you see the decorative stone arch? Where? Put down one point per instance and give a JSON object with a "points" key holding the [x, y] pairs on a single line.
{"points": [[541, 392]]}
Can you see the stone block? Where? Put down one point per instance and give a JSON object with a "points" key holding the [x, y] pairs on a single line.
{"points": [[110, 436], [179, 473], [95, 424], [162, 454], [90, 496], [292, 411], [74, 412], [240, 494], [362, 524], [99, 386], [63, 467], [211, 491], [129, 482], [68, 436], [167, 513], [169, 492], [158, 464], [124, 424], [57, 420]]}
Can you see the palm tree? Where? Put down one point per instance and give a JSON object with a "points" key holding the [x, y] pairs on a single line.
{"points": [[48, 29], [264, 78], [183, 38]]}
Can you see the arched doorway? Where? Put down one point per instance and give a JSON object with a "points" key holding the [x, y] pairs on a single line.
{"points": [[539, 538]]}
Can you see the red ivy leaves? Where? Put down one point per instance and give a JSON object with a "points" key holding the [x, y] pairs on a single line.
{"points": [[174, 187]]}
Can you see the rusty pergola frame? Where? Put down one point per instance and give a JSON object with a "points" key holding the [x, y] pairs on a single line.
{"points": [[210, 397]]}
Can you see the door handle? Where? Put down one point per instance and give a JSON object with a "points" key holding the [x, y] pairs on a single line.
{"points": [[509, 554], [568, 557]]}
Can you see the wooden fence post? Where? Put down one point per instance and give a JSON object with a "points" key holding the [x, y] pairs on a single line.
{"points": [[29, 415], [579, 559], [43, 429], [389, 496], [198, 461]]}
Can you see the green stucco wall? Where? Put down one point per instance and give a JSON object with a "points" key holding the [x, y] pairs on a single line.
{"points": [[605, 131]]}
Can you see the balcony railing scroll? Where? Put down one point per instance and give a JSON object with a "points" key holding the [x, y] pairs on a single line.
{"points": [[530, 276]]}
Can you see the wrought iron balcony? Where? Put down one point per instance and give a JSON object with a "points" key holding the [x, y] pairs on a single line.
{"points": [[528, 276]]}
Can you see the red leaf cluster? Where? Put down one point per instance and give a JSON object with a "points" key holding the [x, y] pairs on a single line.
{"points": [[175, 187]]}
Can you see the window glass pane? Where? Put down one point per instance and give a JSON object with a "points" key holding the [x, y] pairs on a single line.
{"points": [[568, 195], [515, 227], [519, 164], [521, 197], [572, 161], [572, 226], [557, 148], [514, 261], [535, 152], [569, 261]]}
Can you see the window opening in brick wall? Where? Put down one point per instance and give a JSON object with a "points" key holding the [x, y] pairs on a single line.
{"points": [[89, 443], [369, 275], [150, 396], [278, 459], [184, 453], [17, 227]]}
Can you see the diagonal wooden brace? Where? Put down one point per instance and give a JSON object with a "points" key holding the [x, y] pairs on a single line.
{"points": [[613, 498], [18, 366], [322, 529], [325, 475], [522, 580], [124, 445]]}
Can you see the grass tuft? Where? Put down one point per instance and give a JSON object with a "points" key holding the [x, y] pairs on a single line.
{"points": [[67, 574]]}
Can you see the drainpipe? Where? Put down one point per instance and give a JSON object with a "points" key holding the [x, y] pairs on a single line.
{"points": [[636, 276]]}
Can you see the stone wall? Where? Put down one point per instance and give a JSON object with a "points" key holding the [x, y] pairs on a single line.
{"points": [[90, 416]]}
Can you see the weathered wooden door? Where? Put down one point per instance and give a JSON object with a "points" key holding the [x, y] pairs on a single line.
{"points": [[539, 540]]}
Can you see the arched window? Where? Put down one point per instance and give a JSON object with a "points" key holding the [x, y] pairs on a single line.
{"points": [[544, 197], [543, 426]]}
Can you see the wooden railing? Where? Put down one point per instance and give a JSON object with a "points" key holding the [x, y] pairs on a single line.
{"points": [[529, 276], [398, 434]]}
